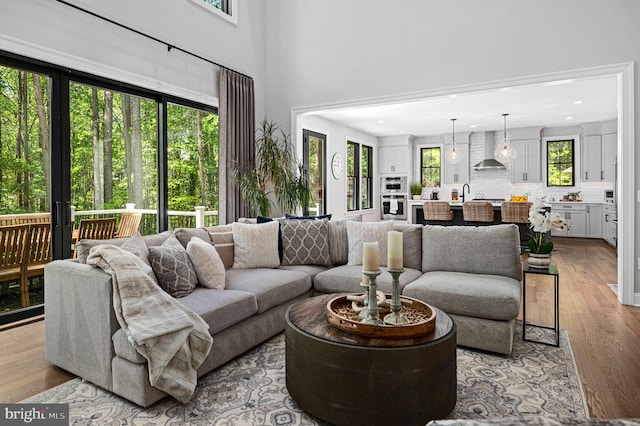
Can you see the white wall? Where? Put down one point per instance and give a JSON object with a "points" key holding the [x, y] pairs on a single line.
{"points": [[337, 136], [55, 33], [335, 52]]}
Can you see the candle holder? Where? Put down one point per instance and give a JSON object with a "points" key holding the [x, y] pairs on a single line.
{"points": [[363, 313], [372, 311], [395, 318]]}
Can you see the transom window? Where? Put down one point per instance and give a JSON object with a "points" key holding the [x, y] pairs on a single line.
{"points": [[560, 163], [430, 171]]}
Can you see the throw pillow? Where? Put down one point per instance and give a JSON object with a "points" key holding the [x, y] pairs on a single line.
{"points": [[255, 246], [367, 232], [173, 268], [305, 242], [338, 240], [207, 263], [322, 216], [135, 244], [264, 219], [222, 239]]}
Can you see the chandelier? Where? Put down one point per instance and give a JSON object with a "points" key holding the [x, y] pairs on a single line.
{"points": [[453, 154], [505, 152]]}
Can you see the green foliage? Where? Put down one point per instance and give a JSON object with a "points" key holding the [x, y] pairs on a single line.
{"points": [[538, 245], [560, 159], [275, 171], [416, 188], [430, 165]]}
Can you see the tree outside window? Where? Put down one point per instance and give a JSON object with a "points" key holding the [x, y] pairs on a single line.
{"points": [[366, 183], [353, 152], [430, 171], [560, 163]]}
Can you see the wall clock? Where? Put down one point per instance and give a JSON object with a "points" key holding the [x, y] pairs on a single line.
{"points": [[337, 165]]}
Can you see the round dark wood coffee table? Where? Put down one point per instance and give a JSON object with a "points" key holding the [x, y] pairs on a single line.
{"points": [[346, 379]]}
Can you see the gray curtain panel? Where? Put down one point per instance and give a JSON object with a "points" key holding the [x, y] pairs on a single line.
{"points": [[236, 139]]}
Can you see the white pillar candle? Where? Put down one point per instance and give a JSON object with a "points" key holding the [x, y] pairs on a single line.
{"points": [[394, 250], [370, 256]]}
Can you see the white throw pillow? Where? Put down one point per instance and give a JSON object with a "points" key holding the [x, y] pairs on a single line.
{"points": [[207, 263], [367, 232], [255, 246]]}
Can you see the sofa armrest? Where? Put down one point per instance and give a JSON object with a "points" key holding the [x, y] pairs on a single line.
{"points": [[79, 320]]}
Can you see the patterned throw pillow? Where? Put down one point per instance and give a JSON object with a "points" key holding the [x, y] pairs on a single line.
{"points": [[367, 232], [207, 263], [172, 267], [255, 246], [305, 242]]}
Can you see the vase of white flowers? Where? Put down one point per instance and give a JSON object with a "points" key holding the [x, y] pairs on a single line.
{"points": [[541, 221]]}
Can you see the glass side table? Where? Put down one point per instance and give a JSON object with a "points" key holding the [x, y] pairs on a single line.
{"points": [[553, 272]]}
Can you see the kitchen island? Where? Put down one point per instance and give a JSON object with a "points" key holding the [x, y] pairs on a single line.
{"points": [[416, 213]]}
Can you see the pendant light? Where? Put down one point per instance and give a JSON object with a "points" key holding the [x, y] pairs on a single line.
{"points": [[505, 152], [453, 154]]}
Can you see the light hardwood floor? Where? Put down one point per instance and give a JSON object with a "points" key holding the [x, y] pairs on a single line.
{"points": [[604, 335]]}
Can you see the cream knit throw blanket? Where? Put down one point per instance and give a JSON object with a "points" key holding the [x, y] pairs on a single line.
{"points": [[174, 340]]}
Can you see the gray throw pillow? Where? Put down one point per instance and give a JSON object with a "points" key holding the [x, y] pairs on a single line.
{"points": [[172, 268], [305, 242]]}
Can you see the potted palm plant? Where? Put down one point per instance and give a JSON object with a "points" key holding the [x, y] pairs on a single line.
{"points": [[274, 174]]}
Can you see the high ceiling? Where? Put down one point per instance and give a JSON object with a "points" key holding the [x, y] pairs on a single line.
{"points": [[551, 104]]}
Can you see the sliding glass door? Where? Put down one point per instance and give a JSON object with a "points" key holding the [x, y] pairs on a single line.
{"points": [[75, 147]]}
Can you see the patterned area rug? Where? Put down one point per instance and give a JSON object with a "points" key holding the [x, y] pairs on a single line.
{"points": [[536, 380]]}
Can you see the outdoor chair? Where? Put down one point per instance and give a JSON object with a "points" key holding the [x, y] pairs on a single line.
{"points": [[95, 229], [13, 249], [129, 224], [38, 255], [33, 218]]}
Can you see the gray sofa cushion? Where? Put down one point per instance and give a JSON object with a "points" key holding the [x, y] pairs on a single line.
{"points": [[124, 349], [491, 249], [221, 309], [311, 270], [83, 246], [476, 295], [411, 244], [271, 287], [347, 279]]}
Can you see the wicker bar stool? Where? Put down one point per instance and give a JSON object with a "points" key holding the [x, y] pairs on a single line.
{"points": [[515, 212], [437, 212], [477, 212]]}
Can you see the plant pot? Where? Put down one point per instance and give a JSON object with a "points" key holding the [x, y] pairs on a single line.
{"points": [[540, 261], [416, 197]]}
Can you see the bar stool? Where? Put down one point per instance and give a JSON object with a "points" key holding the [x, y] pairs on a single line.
{"points": [[518, 213], [437, 211], [477, 212]]}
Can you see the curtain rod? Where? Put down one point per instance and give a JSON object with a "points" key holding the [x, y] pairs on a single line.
{"points": [[169, 45]]}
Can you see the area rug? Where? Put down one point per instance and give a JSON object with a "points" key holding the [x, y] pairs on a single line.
{"points": [[535, 380]]}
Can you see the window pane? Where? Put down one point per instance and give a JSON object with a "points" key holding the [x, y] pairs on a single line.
{"points": [[113, 154], [366, 189], [352, 176], [430, 166], [25, 174], [192, 157], [560, 163]]}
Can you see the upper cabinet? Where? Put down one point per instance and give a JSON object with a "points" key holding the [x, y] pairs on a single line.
{"points": [[599, 157], [394, 159], [526, 166], [457, 173]]}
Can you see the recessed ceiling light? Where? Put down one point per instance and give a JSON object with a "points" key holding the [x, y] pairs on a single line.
{"points": [[473, 125], [453, 96], [577, 102], [380, 121], [569, 118], [401, 131]]}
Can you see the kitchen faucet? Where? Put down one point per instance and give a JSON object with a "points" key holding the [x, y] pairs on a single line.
{"points": [[468, 191]]}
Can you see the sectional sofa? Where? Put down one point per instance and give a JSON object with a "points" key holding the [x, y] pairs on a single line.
{"points": [[472, 273]]}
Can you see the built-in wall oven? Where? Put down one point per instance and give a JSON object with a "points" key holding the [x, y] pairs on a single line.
{"points": [[393, 198]]}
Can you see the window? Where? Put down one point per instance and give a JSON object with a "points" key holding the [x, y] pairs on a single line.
{"points": [[313, 157], [359, 176], [226, 9], [353, 152], [430, 166], [366, 186], [560, 163]]}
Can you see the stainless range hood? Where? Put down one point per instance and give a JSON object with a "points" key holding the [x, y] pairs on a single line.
{"points": [[489, 162]]}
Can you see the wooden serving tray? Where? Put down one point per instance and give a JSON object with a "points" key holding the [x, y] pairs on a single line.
{"points": [[421, 317]]}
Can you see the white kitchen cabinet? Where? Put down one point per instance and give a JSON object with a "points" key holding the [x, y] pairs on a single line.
{"points": [[594, 220], [609, 156], [394, 159], [608, 224], [599, 157], [575, 216], [526, 166], [457, 173]]}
